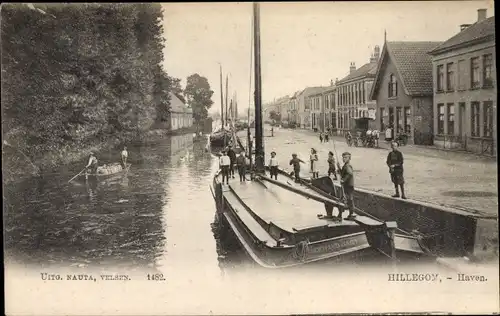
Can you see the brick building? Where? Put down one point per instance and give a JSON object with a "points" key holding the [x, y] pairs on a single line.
{"points": [[353, 93], [465, 92], [403, 90], [330, 107]]}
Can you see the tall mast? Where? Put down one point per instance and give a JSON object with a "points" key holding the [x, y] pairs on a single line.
{"points": [[226, 99], [221, 100], [259, 144]]}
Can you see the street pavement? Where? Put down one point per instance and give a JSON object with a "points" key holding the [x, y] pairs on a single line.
{"points": [[442, 177]]}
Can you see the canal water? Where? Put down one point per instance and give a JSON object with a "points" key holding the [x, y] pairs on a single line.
{"points": [[160, 215]]}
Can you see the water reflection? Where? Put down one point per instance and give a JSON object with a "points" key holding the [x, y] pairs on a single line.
{"points": [[119, 221]]}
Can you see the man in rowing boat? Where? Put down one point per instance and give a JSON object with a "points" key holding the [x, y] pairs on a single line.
{"points": [[347, 181], [92, 164], [124, 156]]}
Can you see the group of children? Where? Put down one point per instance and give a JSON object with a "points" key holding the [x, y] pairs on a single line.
{"points": [[346, 171]]}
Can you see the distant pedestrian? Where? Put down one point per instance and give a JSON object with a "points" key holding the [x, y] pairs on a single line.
{"points": [[347, 182], [241, 163], [273, 166], [331, 165], [314, 163], [395, 164], [327, 137], [320, 137], [295, 162], [232, 157], [224, 164]]}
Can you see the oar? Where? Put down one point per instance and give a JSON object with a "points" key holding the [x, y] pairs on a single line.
{"points": [[77, 174]]}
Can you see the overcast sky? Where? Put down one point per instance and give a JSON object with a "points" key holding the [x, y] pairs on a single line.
{"points": [[302, 44]]}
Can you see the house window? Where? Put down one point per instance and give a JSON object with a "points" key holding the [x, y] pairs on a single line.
{"points": [[440, 119], [408, 120], [461, 74], [393, 86], [488, 119], [363, 94], [474, 67], [451, 119], [474, 124], [440, 77], [450, 82], [382, 115], [487, 66]]}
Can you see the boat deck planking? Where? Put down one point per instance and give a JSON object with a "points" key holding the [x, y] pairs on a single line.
{"points": [[285, 209], [248, 220]]}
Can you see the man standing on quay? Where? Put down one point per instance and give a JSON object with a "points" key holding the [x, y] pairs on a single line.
{"points": [[395, 164]]}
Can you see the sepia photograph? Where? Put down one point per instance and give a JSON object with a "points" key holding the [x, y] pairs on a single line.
{"points": [[249, 158]]}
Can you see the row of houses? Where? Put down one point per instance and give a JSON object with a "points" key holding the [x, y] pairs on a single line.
{"points": [[437, 93]]}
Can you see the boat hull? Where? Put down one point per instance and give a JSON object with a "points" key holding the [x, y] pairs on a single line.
{"points": [[357, 243]]}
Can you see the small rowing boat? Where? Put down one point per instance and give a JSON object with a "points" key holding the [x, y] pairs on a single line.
{"points": [[108, 171]]}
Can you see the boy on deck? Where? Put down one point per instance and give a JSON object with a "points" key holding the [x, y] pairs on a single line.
{"points": [[273, 166], [331, 165], [241, 163], [347, 181], [224, 163], [295, 162]]}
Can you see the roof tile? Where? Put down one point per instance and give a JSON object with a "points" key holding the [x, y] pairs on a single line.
{"points": [[414, 65], [478, 30]]}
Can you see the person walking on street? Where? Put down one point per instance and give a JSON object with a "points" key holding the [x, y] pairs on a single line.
{"points": [[241, 163], [331, 165], [347, 182], [395, 164], [320, 137], [224, 164], [232, 157], [327, 137], [273, 166], [295, 162], [124, 156], [314, 163]]}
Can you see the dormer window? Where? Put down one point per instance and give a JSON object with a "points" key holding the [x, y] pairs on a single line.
{"points": [[393, 86]]}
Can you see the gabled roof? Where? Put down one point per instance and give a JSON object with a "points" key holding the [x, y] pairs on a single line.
{"points": [[477, 32], [177, 106], [413, 64], [367, 70]]}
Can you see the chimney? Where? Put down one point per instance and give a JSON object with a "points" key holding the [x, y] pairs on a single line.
{"points": [[372, 59], [376, 52], [352, 67], [463, 26], [481, 15]]}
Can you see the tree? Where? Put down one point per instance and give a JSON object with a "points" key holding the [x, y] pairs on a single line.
{"points": [[78, 74], [176, 88], [198, 96], [273, 115]]}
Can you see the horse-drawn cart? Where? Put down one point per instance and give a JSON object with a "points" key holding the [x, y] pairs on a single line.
{"points": [[361, 135]]}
